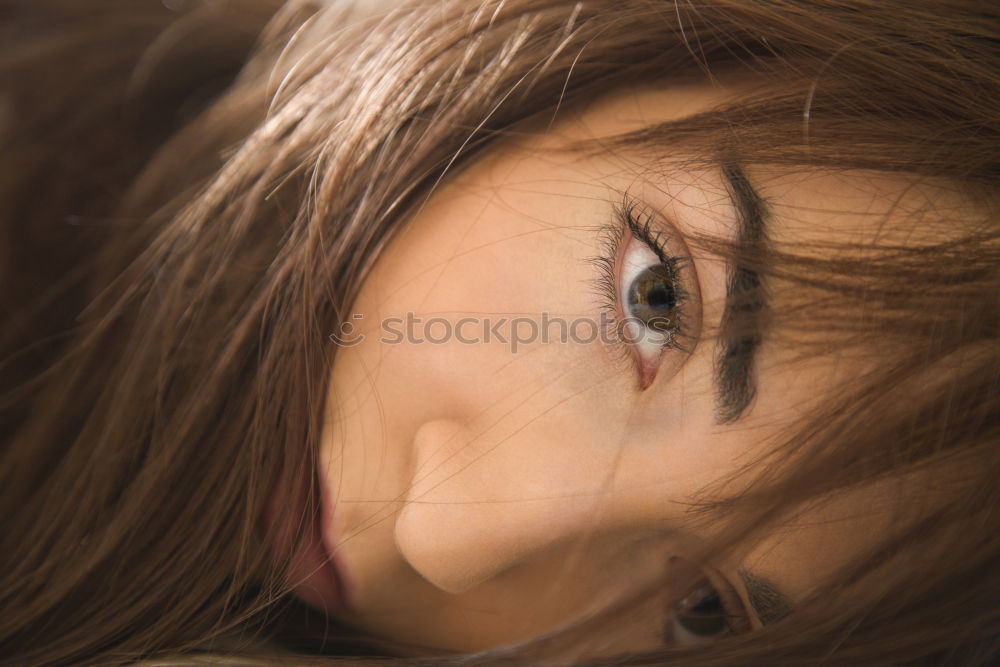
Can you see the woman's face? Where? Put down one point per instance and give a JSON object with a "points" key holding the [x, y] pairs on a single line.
{"points": [[485, 482]]}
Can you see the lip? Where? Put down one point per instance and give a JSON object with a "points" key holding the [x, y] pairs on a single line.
{"points": [[316, 575], [321, 580], [328, 545]]}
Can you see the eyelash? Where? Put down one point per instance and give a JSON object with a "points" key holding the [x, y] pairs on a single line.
{"points": [[630, 218]]}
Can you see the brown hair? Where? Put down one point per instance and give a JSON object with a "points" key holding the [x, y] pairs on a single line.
{"points": [[192, 197]]}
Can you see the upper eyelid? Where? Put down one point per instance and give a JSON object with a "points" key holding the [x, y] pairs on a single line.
{"points": [[653, 226], [630, 211], [650, 236]]}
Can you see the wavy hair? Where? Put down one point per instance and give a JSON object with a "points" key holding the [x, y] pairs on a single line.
{"points": [[193, 192]]}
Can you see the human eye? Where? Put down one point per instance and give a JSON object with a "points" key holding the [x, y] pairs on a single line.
{"points": [[708, 612], [647, 288]]}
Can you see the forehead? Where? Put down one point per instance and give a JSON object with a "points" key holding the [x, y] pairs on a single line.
{"points": [[814, 209]]}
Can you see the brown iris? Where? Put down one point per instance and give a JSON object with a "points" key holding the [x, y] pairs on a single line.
{"points": [[652, 298], [703, 614]]}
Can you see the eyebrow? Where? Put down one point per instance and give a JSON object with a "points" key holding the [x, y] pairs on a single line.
{"points": [[745, 307], [769, 604]]}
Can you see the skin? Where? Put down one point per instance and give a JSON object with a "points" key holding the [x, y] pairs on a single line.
{"points": [[476, 496]]}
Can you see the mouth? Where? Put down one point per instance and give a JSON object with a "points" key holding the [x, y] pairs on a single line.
{"points": [[315, 574], [318, 575]]}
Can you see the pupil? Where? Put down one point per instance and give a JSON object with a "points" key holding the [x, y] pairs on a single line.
{"points": [[710, 604], [652, 298], [706, 618], [662, 296]]}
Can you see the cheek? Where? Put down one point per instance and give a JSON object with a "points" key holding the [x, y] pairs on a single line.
{"points": [[461, 304], [453, 316]]}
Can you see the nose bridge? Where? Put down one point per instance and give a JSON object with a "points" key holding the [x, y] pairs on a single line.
{"points": [[478, 506]]}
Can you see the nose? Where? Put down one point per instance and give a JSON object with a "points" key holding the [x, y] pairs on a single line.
{"points": [[481, 503]]}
